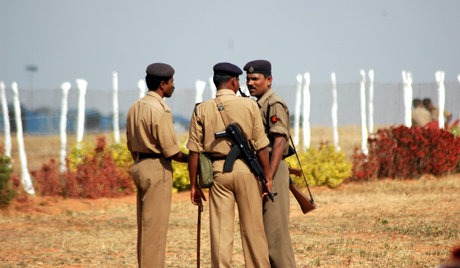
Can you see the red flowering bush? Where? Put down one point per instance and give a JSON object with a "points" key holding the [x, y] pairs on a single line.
{"points": [[96, 175], [406, 153]]}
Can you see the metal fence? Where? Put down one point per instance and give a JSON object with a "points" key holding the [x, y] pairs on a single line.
{"points": [[41, 108]]}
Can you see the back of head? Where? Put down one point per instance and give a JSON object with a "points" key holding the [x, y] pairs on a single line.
{"points": [[156, 73], [223, 72], [426, 102], [416, 102]]}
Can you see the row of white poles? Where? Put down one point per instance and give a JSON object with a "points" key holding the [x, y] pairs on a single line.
{"points": [[407, 82], [367, 119], [200, 87], [82, 86]]}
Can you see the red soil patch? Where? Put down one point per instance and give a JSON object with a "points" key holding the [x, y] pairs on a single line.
{"points": [[49, 205]]}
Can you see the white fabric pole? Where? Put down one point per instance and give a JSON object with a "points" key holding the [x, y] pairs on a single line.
{"points": [[441, 97], [458, 77], [306, 111], [297, 110], [63, 123], [142, 88], [407, 83], [6, 120], [371, 101], [404, 78], [25, 176], [199, 85], [335, 131], [82, 84], [116, 121], [363, 112], [213, 88]]}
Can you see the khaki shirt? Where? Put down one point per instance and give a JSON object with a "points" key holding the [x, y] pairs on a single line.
{"points": [[275, 116], [420, 117], [207, 120], [150, 127], [435, 113]]}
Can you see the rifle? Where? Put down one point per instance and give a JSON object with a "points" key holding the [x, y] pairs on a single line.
{"points": [[240, 146], [305, 203]]}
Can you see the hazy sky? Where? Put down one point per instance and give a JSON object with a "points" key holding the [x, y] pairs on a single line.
{"points": [[90, 39]]}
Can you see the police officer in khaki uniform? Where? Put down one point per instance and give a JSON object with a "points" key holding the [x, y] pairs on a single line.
{"points": [[275, 116], [420, 116], [152, 142], [434, 110], [239, 185]]}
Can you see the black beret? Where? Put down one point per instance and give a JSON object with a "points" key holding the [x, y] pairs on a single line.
{"points": [[162, 70], [225, 68], [258, 66]]}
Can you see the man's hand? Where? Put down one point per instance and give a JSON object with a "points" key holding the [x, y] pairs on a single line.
{"points": [[269, 187], [197, 196]]}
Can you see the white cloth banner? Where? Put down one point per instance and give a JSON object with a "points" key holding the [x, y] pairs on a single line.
{"points": [[116, 120], [306, 112], [363, 113], [441, 97], [25, 176], [407, 83], [6, 120], [63, 123], [297, 110], [82, 84], [213, 88], [335, 131], [371, 101], [142, 88], [199, 85]]}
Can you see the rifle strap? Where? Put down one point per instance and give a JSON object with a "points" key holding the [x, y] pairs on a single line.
{"points": [[234, 152], [298, 160], [223, 113]]}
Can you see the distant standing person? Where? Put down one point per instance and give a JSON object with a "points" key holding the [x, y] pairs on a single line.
{"points": [[238, 186], [275, 117], [434, 110], [420, 116], [152, 142]]}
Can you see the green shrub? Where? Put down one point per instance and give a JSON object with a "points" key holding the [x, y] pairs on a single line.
{"points": [[455, 130], [6, 192], [322, 166]]}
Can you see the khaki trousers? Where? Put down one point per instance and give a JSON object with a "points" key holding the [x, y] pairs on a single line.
{"points": [[153, 179], [242, 187], [276, 221]]}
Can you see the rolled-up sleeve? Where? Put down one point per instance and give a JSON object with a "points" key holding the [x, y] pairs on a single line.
{"points": [[195, 140], [167, 136], [281, 125]]}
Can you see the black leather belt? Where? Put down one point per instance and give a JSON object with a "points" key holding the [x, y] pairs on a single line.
{"points": [[215, 158], [150, 155]]}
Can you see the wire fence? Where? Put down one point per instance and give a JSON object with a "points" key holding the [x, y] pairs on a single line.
{"points": [[41, 108]]}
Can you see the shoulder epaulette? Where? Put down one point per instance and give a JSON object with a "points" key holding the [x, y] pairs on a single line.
{"points": [[196, 104]]}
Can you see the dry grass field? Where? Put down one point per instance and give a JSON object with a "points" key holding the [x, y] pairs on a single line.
{"points": [[375, 224], [387, 223]]}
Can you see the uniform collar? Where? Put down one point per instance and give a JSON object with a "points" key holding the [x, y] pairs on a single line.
{"points": [[221, 92], [265, 96], [155, 95]]}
